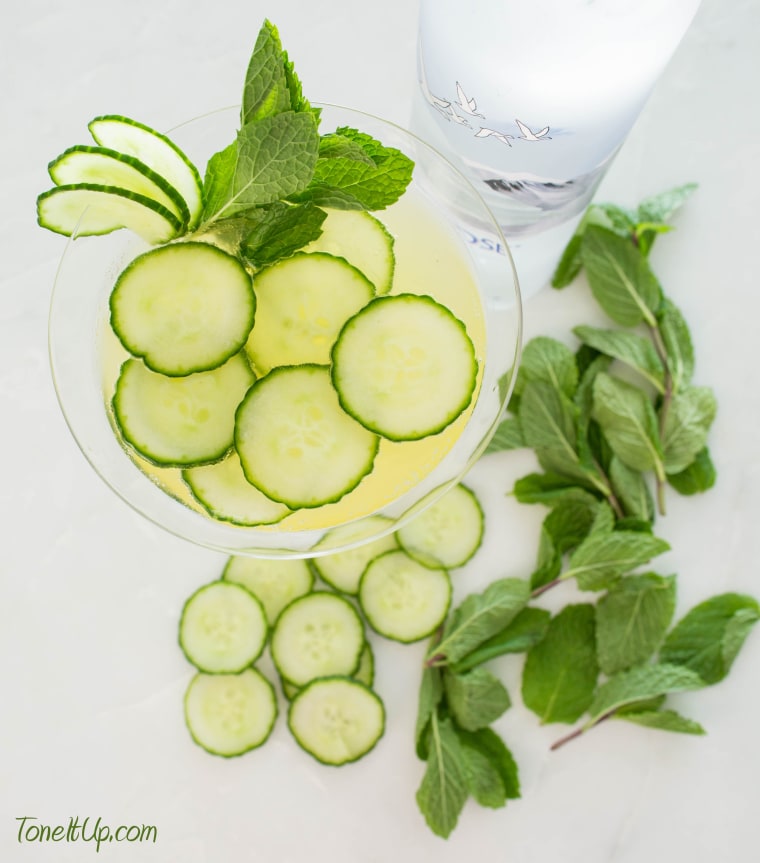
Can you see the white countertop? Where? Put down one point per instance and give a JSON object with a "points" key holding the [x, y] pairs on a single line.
{"points": [[91, 721]]}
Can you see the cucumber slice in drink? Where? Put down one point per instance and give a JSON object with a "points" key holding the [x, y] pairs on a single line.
{"points": [[183, 308], [229, 714], [363, 241], [404, 367], [157, 152], [302, 303], [337, 719], [82, 164], [223, 628], [90, 209], [296, 444], [447, 533], [224, 492], [276, 583], [180, 422], [317, 635], [402, 599]]}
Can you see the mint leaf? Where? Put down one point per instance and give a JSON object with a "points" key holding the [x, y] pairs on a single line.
{"points": [[603, 557], [570, 263], [518, 636], [548, 360], [699, 476], [661, 207], [564, 528], [631, 490], [633, 350], [548, 421], [480, 616], [475, 698], [620, 278], [508, 436], [490, 769], [709, 637], [334, 146], [430, 695], [688, 419], [632, 618], [266, 90], [665, 720], [545, 488], [676, 339], [279, 229], [444, 788], [560, 672]]}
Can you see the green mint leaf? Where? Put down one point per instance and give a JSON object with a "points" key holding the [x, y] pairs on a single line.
{"points": [[278, 230], [661, 207], [549, 425], [545, 488], [592, 447], [620, 278], [632, 618], [676, 339], [565, 527], [629, 423], [633, 350], [665, 720], [508, 436], [482, 615], [570, 263], [430, 695], [631, 490], [266, 91], [643, 681], [549, 361], [334, 146], [687, 422], [560, 672], [527, 629], [444, 789], [490, 768], [603, 557], [699, 476], [709, 637], [475, 698]]}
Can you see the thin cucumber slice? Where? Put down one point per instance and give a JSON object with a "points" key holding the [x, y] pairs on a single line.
{"points": [[180, 422], [317, 635], [276, 583], [183, 308], [230, 714], [302, 303], [82, 164], [296, 444], [363, 241], [365, 674], [402, 599], [404, 367], [337, 720], [447, 533], [223, 628], [224, 492], [157, 152], [342, 570], [90, 209]]}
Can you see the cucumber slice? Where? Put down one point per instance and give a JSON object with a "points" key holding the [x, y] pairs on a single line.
{"points": [[183, 308], [276, 583], [363, 241], [337, 720], [229, 714], [157, 152], [90, 209], [222, 628], [365, 674], [343, 569], [317, 635], [447, 533], [180, 422], [82, 164], [302, 303], [402, 599], [404, 367], [296, 444]]}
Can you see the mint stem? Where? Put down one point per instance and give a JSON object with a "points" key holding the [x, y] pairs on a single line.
{"points": [[578, 731]]}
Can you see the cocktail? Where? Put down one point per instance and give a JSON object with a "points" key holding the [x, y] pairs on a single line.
{"points": [[284, 375]]}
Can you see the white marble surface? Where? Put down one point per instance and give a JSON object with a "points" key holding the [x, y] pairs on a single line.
{"points": [[92, 679]]}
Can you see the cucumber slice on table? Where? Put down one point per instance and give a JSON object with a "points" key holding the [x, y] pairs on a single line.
{"points": [[365, 674], [447, 533], [404, 367], [402, 599], [157, 152], [363, 241], [336, 719], [91, 209], [276, 583], [183, 308], [82, 164], [223, 628], [180, 422], [224, 492], [296, 444], [302, 303], [229, 714], [317, 635]]}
